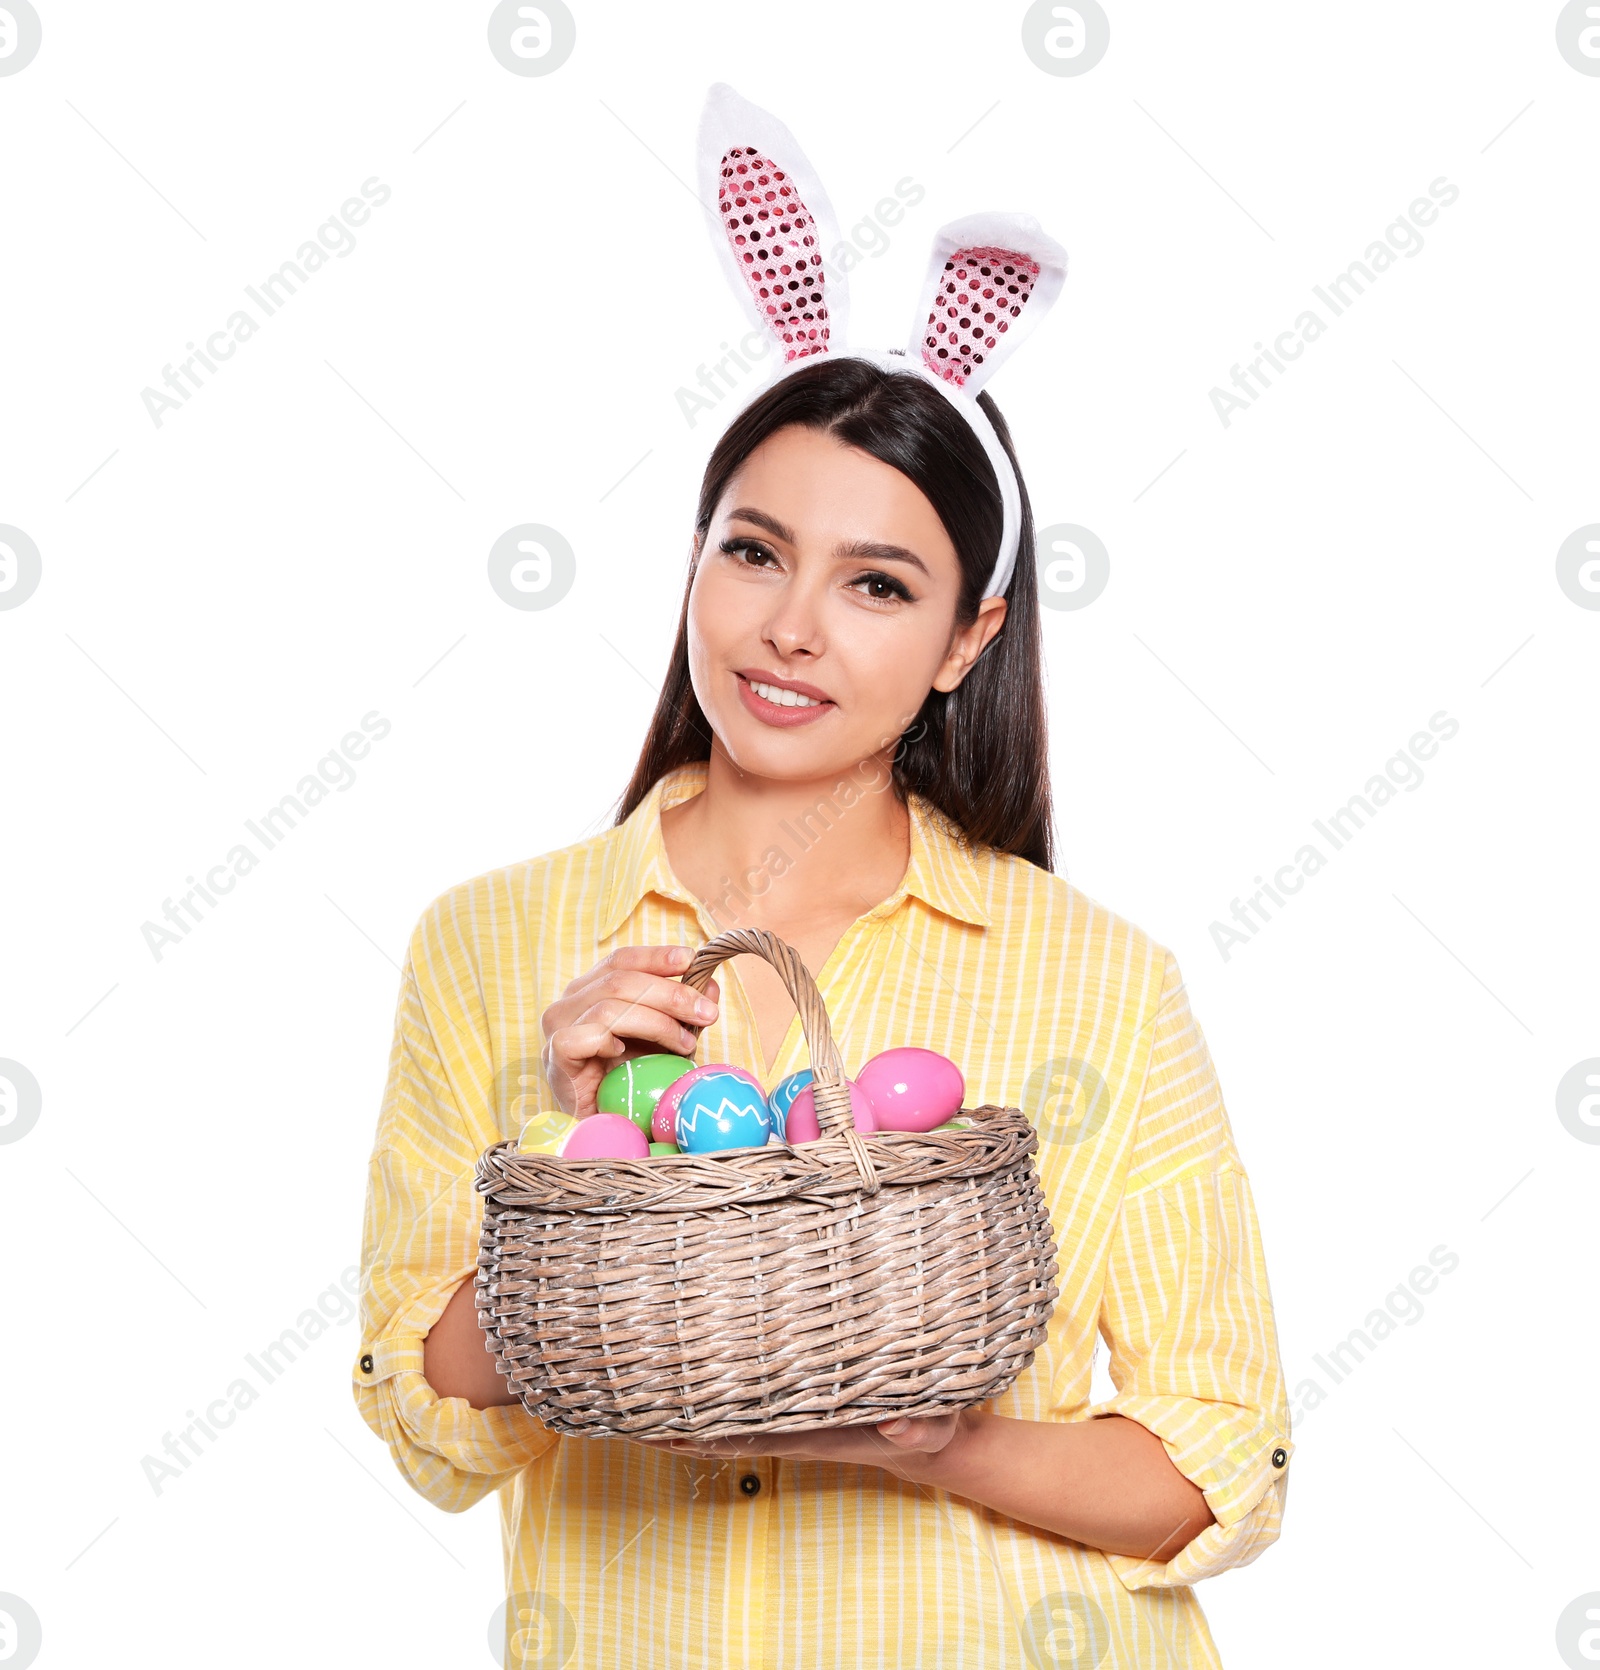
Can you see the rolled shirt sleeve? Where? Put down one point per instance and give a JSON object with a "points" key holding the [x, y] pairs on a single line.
{"points": [[420, 1238], [1187, 1314]]}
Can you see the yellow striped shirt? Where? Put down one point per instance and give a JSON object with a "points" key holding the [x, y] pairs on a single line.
{"points": [[617, 1554]]}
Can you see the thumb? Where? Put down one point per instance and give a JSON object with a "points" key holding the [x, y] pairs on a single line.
{"points": [[926, 1433]]}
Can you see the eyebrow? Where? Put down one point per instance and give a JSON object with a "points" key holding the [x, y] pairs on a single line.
{"points": [[869, 550]]}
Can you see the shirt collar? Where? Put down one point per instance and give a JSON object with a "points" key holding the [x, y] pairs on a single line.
{"points": [[942, 871]]}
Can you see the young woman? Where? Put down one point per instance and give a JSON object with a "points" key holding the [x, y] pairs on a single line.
{"points": [[849, 750]]}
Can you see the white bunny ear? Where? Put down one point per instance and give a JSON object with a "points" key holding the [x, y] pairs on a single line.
{"points": [[991, 279], [773, 223]]}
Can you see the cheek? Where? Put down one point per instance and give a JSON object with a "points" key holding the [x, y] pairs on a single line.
{"points": [[721, 632], [715, 614], [895, 657]]}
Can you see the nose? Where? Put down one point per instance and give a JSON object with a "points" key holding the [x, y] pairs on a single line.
{"points": [[794, 625]]}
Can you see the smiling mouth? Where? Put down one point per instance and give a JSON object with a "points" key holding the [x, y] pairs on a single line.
{"points": [[779, 697]]}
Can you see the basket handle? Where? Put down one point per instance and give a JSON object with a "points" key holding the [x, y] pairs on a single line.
{"points": [[829, 1092]]}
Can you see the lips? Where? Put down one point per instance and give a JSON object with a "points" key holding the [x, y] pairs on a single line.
{"points": [[759, 675], [779, 714]]}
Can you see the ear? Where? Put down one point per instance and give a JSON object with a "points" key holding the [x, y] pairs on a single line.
{"points": [[990, 281], [970, 643], [771, 223]]}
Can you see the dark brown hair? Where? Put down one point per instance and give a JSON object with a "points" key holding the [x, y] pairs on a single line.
{"points": [[978, 753]]}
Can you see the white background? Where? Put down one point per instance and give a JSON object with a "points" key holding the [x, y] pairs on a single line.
{"points": [[223, 597]]}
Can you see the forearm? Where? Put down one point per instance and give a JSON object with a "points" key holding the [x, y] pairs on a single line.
{"points": [[456, 1361], [1107, 1483]]}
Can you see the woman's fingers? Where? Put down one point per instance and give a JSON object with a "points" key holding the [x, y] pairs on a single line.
{"points": [[638, 1005], [621, 1018], [930, 1433], [653, 959], [848, 1444], [573, 1046], [672, 997], [626, 972], [629, 995], [628, 988]]}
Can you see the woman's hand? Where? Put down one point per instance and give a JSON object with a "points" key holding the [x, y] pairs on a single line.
{"points": [[628, 998], [913, 1449]]}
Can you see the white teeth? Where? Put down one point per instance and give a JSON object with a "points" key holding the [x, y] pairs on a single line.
{"points": [[783, 698]]}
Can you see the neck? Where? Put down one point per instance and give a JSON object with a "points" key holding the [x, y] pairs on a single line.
{"points": [[759, 851]]}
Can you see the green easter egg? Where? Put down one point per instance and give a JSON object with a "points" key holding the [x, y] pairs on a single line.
{"points": [[663, 1148], [632, 1088], [954, 1125]]}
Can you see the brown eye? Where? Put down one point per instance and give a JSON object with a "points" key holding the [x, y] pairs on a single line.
{"points": [[734, 545], [896, 591]]}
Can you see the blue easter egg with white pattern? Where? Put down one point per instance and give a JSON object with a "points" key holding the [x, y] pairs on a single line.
{"points": [[723, 1110], [782, 1099]]}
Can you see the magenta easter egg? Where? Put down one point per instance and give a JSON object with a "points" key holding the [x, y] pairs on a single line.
{"points": [[664, 1121], [605, 1136], [802, 1123], [912, 1089]]}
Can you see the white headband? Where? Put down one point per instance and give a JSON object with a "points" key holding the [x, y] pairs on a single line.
{"points": [[991, 278]]}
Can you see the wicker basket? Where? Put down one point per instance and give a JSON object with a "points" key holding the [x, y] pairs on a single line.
{"points": [[772, 1289]]}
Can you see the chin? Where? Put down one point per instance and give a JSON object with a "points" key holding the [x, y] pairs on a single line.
{"points": [[798, 759], [769, 756]]}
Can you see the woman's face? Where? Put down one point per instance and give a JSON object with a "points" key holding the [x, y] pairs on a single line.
{"points": [[825, 570]]}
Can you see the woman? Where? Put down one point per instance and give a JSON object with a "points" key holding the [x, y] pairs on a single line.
{"points": [[849, 750]]}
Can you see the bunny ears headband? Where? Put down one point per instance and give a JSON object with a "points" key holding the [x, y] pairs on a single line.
{"points": [[991, 278]]}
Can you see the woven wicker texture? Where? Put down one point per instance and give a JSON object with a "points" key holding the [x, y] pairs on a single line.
{"points": [[771, 1289]]}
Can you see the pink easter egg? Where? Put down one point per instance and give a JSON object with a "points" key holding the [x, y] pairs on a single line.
{"points": [[605, 1136], [803, 1125], [912, 1089], [663, 1122]]}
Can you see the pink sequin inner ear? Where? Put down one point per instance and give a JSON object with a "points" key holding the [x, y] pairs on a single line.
{"points": [[981, 292], [774, 240]]}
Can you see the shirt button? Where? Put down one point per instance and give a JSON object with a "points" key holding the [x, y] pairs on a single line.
{"points": [[366, 1363], [749, 1484], [1280, 1458]]}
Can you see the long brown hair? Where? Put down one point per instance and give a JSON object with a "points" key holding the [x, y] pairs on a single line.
{"points": [[979, 752]]}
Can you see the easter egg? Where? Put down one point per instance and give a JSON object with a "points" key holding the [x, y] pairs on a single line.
{"points": [[664, 1148], [633, 1088], [781, 1098], [802, 1123], [912, 1089], [723, 1109], [544, 1130], [664, 1121], [605, 1136]]}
